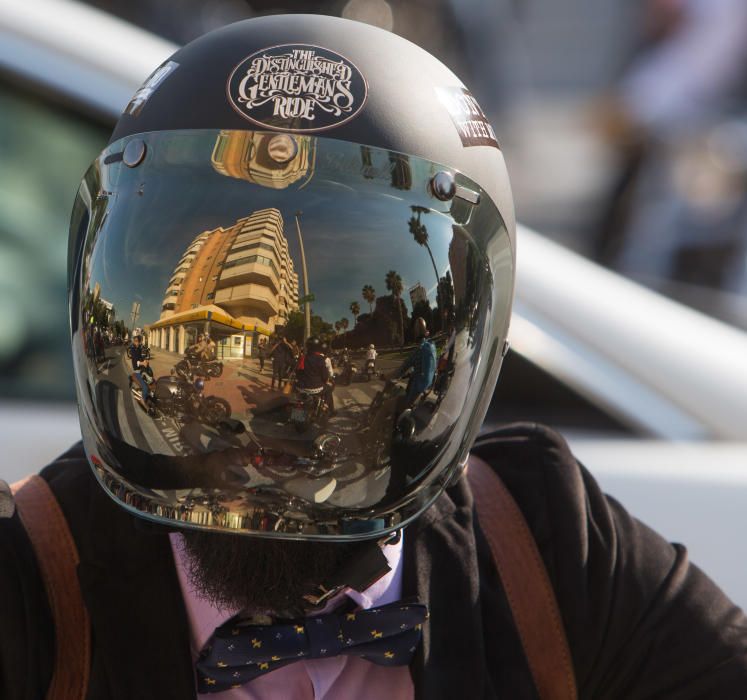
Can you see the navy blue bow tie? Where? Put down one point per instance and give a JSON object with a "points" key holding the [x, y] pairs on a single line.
{"points": [[237, 653]]}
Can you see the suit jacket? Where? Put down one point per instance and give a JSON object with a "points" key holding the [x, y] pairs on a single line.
{"points": [[641, 621]]}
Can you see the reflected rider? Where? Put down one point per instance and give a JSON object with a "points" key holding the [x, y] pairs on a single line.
{"points": [[312, 372], [422, 361], [141, 369]]}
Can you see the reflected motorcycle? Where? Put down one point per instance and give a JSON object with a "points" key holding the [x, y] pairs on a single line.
{"points": [[308, 407], [325, 456], [175, 397], [192, 366], [349, 370]]}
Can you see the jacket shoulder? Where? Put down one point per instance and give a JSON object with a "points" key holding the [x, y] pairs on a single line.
{"points": [[641, 620]]}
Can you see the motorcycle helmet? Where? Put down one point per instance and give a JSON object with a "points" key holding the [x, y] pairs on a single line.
{"points": [[263, 177]]}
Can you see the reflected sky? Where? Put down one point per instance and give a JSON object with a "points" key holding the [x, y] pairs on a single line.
{"points": [[355, 227]]}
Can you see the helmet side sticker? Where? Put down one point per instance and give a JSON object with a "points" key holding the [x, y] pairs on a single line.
{"points": [[145, 91], [297, 87], [469, 119]]}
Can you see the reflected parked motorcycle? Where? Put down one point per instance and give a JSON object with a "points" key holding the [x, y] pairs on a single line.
{"points": [[175, 397], [326, 453], [192, 366]]}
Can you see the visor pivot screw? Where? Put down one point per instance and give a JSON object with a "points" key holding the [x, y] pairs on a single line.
{"points": [[443, 186], [134, 153]]}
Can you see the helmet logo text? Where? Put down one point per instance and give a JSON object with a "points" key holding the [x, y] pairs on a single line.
{"points": [[297, 88]]}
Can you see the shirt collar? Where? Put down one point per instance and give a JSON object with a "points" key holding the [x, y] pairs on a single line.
{"points": [[204, 617]]}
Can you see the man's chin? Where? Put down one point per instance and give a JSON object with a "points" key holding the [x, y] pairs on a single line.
{"points": [[258, 575]]}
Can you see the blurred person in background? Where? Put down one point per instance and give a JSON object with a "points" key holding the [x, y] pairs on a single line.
{"points": [[676, 220]]}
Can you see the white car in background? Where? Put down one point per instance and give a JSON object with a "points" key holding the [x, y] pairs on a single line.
{"points": [[652, 395]]}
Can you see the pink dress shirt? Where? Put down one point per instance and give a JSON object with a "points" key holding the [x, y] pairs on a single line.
{"points": [[338, 678]]}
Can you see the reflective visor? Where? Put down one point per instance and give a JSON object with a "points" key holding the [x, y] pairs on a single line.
{"points": [[202, 263]]}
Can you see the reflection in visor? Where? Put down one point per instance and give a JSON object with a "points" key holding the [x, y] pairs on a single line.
{"points": [[282, 335]]}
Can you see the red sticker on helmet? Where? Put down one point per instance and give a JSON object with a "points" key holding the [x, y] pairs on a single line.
{"points": [[297, 87], [471, 123]]}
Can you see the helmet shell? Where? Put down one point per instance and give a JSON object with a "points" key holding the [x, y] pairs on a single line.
{"points": [[407, 111], [402, 112]]}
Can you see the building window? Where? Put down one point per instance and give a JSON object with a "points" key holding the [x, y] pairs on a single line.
{"points": [[211, 295], [194, 306], [261, 259]]}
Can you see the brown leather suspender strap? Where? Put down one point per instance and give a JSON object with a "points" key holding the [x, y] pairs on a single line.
{"points": [[57, 556], [527, 585]]}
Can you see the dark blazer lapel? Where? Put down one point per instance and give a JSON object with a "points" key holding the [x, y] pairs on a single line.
{"points": [[140, 627], [441, 570]]}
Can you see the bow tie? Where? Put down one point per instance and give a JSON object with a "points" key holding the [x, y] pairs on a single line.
{"points": [[237, 653]]}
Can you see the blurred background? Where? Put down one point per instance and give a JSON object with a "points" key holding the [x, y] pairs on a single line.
{"points": [[624, 124]]}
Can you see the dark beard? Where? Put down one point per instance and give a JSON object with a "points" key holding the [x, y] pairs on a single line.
{"points": [[260, 575]]}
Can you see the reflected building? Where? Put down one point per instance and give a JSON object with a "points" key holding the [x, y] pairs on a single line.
{"points": [[460, 260], [239, 281], [271, 160], [418, 295], [240, 278]]}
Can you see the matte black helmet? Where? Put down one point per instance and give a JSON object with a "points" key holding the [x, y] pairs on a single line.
{"points": [[263, 177]]}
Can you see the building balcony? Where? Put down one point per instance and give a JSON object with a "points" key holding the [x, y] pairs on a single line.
{"points": [[247, 300], [253, 272]]}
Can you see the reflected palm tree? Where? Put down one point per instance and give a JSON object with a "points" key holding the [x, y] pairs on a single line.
{"points": [[369, 295], [420, 232], [395, 286], [355, 309]]}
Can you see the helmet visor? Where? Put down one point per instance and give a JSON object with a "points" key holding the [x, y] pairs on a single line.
{"points": [[225, 289]]}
